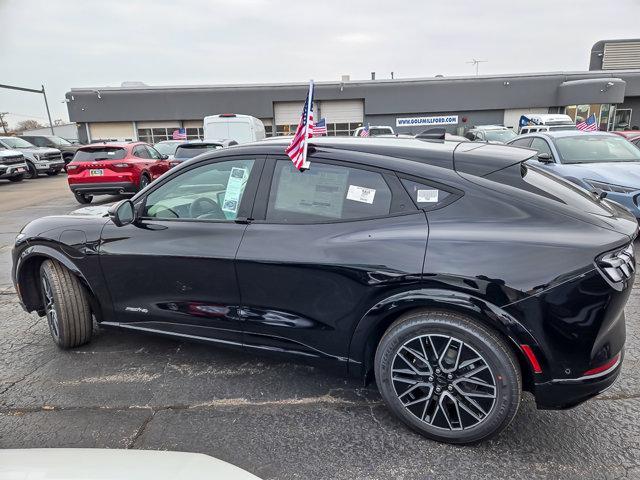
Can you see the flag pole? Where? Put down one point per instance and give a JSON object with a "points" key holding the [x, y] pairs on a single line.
{"points": [[305, 165]]}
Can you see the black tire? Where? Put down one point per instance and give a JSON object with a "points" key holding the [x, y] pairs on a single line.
{"points": [[448, 412], [54, 173], [83, 199], [31, 171], [66, 305], [17, 178], [144, 181]]}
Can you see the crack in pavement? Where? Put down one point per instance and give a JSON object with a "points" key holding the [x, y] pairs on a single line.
{"points": [[25, 376], [141, 430]]}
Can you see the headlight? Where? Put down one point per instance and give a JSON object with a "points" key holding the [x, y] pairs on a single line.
{"points": [[36, 157], [610, 187]]}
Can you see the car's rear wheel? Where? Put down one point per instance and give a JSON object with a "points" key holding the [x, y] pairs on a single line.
{"points": [[448, 377], [17, 178], [66, 305], [82, 198], [32, 172], [144, 181], [54, 173]]}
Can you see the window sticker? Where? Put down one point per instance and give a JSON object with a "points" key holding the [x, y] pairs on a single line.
{"points": [[427, 196], [235, 186], [361, 194]]}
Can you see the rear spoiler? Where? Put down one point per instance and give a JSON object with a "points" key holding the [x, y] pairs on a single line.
{"points": [[437, 133], [482, 159]]}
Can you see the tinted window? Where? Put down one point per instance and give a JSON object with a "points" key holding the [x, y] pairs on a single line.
{"points": [[585, 148], [141, 152], [500, 135], [208, 192], [152, 153], [168, 148], [190, 151], [326, 192], [15, 142], [426, 196], [100, 153], [541, 146], [521, 142]]}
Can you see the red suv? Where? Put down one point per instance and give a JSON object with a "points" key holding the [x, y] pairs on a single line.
{"points": [[114, 168]]}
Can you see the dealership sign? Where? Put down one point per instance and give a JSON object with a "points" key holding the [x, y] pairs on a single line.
{"points": [[426, 121]]}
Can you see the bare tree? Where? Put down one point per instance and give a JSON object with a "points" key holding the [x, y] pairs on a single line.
{"points": [[28, 125]]}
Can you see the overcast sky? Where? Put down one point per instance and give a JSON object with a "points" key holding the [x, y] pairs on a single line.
{"points": [[81, 43]]}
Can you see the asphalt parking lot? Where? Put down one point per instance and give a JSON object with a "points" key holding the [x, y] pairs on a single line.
{"points": [[276, 419]]}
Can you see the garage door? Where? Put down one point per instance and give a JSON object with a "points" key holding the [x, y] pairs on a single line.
{"points": [[512, 115], [343, 111], [111, 131], [288, 113]]}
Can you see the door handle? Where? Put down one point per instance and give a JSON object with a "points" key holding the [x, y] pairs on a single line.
{"points": [[243, 220]]}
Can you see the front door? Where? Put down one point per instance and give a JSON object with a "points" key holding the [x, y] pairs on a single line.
{"points": [[173, 269], [325, 245]]}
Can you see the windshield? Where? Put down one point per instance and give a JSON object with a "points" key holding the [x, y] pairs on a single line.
{"points": [[380, 131], [166, 148], [562, 127], [15, 142], [500, 135], [101, 153], [190, 151], [596, 148], [60, 141]]}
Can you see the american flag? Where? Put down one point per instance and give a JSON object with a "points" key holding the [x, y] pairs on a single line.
{"points": [[320, 128], [297, 149], [589, 125], [365, 131], [180, 134]]}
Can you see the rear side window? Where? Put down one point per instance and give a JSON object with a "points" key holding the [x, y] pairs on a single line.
{"points": [[428, 197], [100, 153], [326, 193], [521, 142], [190, 151]]}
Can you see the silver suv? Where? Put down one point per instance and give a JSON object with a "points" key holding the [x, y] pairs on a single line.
{"points": [[38, 159], [12, 165]]}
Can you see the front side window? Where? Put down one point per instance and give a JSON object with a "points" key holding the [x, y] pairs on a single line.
{"points": [[541, 146], [326, 193], [15, 142], [521, 142], [209, 192], [152, 153]]}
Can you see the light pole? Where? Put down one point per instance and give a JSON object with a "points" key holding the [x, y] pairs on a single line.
{"points": [[31, 90], [477, 63], [4, 127]]}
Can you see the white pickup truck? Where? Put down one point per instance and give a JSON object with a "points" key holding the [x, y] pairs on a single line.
{"points": [[13, 166]]}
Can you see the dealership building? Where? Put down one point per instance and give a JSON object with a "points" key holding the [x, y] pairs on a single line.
{"points": [[610, 89]]}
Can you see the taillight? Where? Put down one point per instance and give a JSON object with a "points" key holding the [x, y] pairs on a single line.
{"points": [[121, 165], [602, 368], [71, 167], [619, 265]]}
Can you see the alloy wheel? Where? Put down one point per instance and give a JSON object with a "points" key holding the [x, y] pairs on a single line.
{"points": [[50, 308], [443, 382]]}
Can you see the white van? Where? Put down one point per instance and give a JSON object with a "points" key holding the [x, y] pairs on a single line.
{"points": [[241, 128], [544, 122]]}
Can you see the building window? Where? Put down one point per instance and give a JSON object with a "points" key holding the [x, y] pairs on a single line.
{"points": [[268, 130], [155, 135], [194, 133], [333, 129]]}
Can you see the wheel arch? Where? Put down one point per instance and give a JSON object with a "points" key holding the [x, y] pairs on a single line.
{"points": [[27, 276], [376, 321]]}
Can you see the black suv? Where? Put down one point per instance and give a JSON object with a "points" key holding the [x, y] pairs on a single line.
{"points": [[67, 148], [453, 273]]}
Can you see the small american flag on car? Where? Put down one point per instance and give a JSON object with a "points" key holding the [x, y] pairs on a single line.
{"points": [[365, 131], [589, 125], [180, 134], [320, 128], [297, 149]]}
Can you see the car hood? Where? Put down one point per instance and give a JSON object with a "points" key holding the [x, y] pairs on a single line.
{"points": [[113, 464], [626, 174], [92, 211], [39, 150], [9, 153]]}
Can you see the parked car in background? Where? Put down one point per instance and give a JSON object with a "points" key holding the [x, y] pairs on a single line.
{"points": [[188, 150], [241, 128], [67, 148], [114, 168], [455, 284], [632, 135], [490, 134], [374, 130], [12, 165], [548, 122], [168, 147], [600, 162], [38, 159]]}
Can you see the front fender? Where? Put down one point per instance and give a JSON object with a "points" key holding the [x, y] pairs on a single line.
{"points": [[375, 322]]}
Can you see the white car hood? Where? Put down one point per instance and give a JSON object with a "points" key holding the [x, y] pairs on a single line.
{"points": [[107, 464], [9, 153]]}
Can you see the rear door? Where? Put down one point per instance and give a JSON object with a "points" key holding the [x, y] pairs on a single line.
{"points": [[158, 165], [324, 246]]}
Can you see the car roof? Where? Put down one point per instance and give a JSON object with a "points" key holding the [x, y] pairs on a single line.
{"points": [[125, 145], [564, 133], [202, 142], [489, 127]]}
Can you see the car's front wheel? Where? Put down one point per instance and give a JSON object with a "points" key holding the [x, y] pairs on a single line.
{"points": [[17, 178], [53, 173], [32, 172], [66, 305], [448, 377]]}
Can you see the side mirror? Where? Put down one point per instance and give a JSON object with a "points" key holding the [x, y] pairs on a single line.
{"points": [[164, 157], [122, 213], [544, 157]]}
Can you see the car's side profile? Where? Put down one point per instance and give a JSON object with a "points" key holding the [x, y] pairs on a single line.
{"points": [[454, 274], [598, 161], [114, 168]]}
